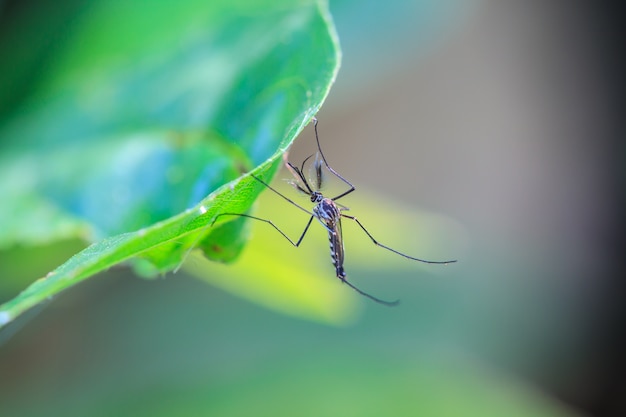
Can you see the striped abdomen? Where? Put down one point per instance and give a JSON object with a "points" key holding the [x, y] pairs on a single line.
{"points": [[329, 214], [336, 250]]}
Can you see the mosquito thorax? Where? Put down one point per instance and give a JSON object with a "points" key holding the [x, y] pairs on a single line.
{"points": [[316, 197]]}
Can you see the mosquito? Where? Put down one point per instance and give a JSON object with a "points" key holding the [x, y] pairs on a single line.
{"points": [[328, 212]]}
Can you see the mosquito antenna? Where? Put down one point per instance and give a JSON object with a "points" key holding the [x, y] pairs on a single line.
{"points": [[371, 297], [317, 138]]}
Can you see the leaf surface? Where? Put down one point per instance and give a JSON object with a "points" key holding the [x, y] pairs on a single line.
{"points": [[145, 126]]}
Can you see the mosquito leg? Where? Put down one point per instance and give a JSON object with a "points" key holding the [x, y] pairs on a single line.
{"points": [[335, 173], [371, 297], [390, 249], [280, 194], [345, 194], [294, 243]]}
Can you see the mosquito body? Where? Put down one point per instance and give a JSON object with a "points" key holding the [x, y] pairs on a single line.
{"points": [[328, 212]]}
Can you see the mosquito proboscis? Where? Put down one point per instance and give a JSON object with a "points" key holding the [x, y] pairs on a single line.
{"points": [[328, 212]]}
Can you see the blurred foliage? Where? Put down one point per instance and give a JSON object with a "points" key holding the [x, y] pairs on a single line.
{"points": [[137, 129], [120, 346]]}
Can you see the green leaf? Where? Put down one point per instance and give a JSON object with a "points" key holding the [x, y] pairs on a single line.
{"points": [[140, 130]]}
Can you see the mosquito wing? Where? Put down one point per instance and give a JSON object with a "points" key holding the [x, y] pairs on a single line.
{"points": [[317, 173]]}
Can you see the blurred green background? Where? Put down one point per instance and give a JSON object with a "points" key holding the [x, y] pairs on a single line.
{"points": [[494, 115]]}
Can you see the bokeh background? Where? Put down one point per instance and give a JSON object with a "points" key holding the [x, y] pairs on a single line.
{"points": [[499, 115]]}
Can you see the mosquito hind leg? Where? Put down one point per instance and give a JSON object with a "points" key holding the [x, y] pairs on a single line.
{"points": [[371, 297], [377, 243]]}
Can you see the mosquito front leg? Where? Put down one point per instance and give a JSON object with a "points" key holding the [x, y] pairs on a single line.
{"points": [[294, 243], [281, 195], [335, 173], [377, 243]]}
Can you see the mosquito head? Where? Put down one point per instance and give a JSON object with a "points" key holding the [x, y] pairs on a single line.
{"points": [[316, 197]]}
